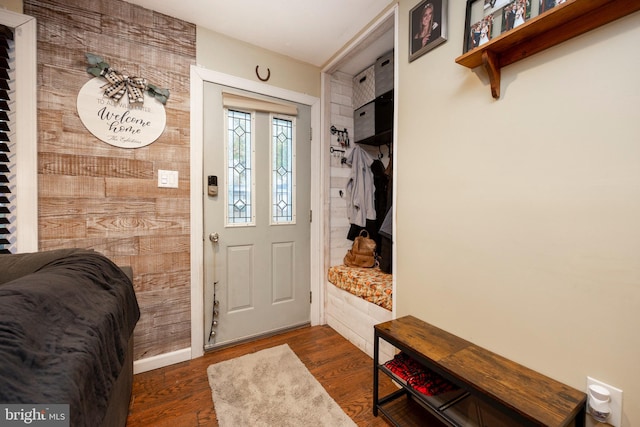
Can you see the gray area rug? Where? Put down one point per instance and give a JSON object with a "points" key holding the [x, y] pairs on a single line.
{"points": [[271, 387]]}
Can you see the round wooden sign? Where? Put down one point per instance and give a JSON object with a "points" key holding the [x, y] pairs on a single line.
{"points": [[119, 123]]}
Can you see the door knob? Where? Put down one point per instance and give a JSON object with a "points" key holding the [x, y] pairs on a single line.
{"points": [[214, 237]]}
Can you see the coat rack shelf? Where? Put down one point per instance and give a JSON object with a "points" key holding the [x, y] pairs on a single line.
{"points": [[563, 22]]}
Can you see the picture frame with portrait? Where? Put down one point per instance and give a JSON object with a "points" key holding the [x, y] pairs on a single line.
{"points": [[427, 27], [487, 19]]}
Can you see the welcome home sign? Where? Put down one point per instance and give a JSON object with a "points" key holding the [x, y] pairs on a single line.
{"points": [[121, 110]]}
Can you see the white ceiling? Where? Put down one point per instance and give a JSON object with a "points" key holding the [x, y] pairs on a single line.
{"points": [[307, 30]]}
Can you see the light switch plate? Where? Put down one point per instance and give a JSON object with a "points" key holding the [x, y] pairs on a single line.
{"points": [[167, 179]]}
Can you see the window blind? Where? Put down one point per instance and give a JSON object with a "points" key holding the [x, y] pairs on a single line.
{"points": [[7, 147], [233, 100]]}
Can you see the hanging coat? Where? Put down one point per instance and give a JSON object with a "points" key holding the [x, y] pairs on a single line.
{"points": [[360, 188], [380, 181]]}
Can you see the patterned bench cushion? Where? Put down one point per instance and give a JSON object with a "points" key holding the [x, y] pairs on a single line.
{"points": [[371, 284]]}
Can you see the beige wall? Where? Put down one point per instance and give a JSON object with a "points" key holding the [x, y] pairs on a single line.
{"points": [[217, 52], [12, 5], [518, 222]]}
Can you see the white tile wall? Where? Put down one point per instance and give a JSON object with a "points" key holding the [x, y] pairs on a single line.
{"points": [[341, 118], [351, 316]]}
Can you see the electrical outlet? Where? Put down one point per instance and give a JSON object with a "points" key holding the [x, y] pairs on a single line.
{"points": [[615, 419]]}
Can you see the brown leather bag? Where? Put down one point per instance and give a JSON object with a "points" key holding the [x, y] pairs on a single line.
{"points": [[362, 252]]}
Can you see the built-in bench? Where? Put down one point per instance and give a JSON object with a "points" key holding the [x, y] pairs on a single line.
{"points": [[358, 299], [370, 284]]}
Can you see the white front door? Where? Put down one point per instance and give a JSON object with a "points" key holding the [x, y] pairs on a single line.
{"points": [[260, 215]]}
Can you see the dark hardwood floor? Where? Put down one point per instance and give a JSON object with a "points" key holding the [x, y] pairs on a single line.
{"points": [[179, 395]]}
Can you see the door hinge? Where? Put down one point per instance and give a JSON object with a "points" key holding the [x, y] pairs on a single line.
{"points": [[310, 134], [310, 297], [310, 216]]}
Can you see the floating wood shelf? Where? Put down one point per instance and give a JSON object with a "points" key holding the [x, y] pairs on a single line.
{"points": [[548, 29]]}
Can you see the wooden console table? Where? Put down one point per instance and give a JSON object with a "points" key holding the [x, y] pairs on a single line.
{"points": [[507, 393]]}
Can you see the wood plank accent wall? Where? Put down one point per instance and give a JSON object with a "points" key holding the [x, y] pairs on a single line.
{"points": [[93, 195]]}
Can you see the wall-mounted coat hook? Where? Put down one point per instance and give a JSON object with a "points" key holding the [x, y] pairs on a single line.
{"points": [[343, 159]]}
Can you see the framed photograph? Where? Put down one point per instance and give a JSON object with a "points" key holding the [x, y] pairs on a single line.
{"points": [[487, 19], [427, 27]]}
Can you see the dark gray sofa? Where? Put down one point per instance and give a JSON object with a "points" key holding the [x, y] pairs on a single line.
{"points": [[66, 334]]}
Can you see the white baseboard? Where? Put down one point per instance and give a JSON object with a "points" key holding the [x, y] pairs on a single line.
{"points": [[161, 360]]}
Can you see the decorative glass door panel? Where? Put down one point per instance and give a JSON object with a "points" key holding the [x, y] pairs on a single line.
{"points": [[240, 178], [283, 174]]}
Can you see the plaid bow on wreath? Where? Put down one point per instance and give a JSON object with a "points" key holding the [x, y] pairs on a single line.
{"points": [[119, 83]]}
